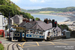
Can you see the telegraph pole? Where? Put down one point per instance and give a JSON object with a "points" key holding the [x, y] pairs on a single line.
{"points": [[9, 24]]}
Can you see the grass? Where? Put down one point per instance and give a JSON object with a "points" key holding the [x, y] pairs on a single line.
{"points": [[1, 47], [0, 35]]}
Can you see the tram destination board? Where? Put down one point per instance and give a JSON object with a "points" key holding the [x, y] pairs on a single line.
{"points": [[34, 36]]}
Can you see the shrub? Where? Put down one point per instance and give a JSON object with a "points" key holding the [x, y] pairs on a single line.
{"points": [[1, 46]]}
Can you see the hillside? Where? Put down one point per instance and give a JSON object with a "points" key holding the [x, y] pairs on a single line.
{"points": [[7, 6], [52, 10]]}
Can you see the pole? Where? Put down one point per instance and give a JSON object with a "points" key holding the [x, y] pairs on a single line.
{"points": [[9, 24]]}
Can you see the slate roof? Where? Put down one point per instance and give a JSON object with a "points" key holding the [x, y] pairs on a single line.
{"points": [[57, 28], [21, 25], [26, 25], [36, 25], [42, 26]]}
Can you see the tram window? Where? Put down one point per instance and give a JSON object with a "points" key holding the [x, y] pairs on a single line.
{"points": [[27, 31], [37, 32], [40, 32], [33, 32]]}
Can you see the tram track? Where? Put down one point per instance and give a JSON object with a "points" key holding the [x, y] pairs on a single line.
{"points": [[13, 46]]}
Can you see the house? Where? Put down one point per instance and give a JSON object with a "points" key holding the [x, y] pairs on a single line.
{"points": [[17, 19], [40, 27], [57, 31], [3, 22]]}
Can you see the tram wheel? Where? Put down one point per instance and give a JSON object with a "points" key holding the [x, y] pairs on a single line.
{"points": [[19, 40]]}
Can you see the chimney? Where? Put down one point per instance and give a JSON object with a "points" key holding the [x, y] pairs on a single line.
{"points": [[24, 20], [49, 20], [46, 21], [33, 19]]}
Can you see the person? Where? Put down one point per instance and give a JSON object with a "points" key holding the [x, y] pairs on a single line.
{"points": [[48, 33]]}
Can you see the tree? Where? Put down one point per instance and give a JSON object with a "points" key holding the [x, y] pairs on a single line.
{"points": [[2, 2], [37, 19], [6, 7]]}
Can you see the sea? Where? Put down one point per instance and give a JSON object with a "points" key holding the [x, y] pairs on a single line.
{"points": [[44, 16]]}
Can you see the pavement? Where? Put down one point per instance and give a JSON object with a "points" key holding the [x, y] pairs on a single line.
{"points": [[57, 44], [70, 39]]}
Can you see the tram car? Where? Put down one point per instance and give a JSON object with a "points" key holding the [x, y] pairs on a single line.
{"points": [[26, 34]]}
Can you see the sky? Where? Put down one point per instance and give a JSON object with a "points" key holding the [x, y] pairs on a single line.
{"points": [[38, 4]]}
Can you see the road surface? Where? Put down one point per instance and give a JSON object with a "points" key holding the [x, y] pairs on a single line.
{"points": [[43, 45]]}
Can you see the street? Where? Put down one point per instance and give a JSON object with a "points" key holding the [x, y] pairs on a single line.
{"points": [[48, 45], [43, 45]]}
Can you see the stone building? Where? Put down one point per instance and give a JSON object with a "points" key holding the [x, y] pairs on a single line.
{"points": [[17, 19]]}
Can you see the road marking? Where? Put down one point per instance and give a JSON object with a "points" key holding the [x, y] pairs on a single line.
{"points": [[52, 43], [23, 44], [61, 43], [19, 44], [37, 43]]}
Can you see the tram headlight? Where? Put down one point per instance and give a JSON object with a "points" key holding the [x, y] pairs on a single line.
{"points": [[17, 35]]}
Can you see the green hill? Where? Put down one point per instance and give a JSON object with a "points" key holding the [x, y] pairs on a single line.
{"points": [[52, 10], [7, 6]]}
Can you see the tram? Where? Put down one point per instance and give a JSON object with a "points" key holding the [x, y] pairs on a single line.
{"points": [[33, 34], [27, 34]]}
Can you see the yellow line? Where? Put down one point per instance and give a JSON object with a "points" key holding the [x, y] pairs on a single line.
{"points": [[19, 44], [52, 43], [37, 43], [23, 44]]}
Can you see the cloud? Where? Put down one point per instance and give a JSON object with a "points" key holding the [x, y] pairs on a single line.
{"points": [[42, 1], [33, 0], [38, 1]]}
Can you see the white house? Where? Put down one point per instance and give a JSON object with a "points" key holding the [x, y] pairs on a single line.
{"points": [[3, 21]]}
